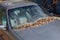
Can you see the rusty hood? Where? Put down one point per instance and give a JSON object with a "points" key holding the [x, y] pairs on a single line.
{"points": [[50, 31]]}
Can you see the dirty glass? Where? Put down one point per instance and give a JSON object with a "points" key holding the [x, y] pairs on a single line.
{"points": [[2, 17], [23, 15]]}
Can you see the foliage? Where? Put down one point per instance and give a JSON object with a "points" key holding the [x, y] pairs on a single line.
{"points": [[1, 13]]}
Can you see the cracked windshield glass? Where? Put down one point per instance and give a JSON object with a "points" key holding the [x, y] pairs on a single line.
{"points": [[27, 14]]}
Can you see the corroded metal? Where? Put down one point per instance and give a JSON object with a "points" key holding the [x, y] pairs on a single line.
{"points": [[3, 35], [37, 23]]}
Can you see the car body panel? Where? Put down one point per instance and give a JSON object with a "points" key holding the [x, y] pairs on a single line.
{"points": [[50, 31], [10, 5]]}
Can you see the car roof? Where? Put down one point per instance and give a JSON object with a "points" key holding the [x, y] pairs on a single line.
{"points": [[9, 5]]}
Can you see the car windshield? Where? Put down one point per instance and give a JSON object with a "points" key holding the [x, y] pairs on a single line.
{"points": [[26, 14]]}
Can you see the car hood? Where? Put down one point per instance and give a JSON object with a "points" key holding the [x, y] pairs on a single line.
{"points": [[50, 31]]}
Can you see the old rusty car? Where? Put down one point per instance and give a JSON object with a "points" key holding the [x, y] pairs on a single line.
{"points": [[27, 21]]}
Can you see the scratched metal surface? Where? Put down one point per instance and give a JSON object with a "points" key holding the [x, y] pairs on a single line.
{"points": [[50, 31]]}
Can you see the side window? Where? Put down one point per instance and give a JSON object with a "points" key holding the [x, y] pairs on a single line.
{"points": [[2, 17]]}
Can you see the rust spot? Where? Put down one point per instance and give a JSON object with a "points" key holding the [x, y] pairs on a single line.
{"points": [[37, 23]]}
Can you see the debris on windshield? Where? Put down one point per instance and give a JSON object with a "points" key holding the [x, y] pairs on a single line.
{"points": [[39, 22]]}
